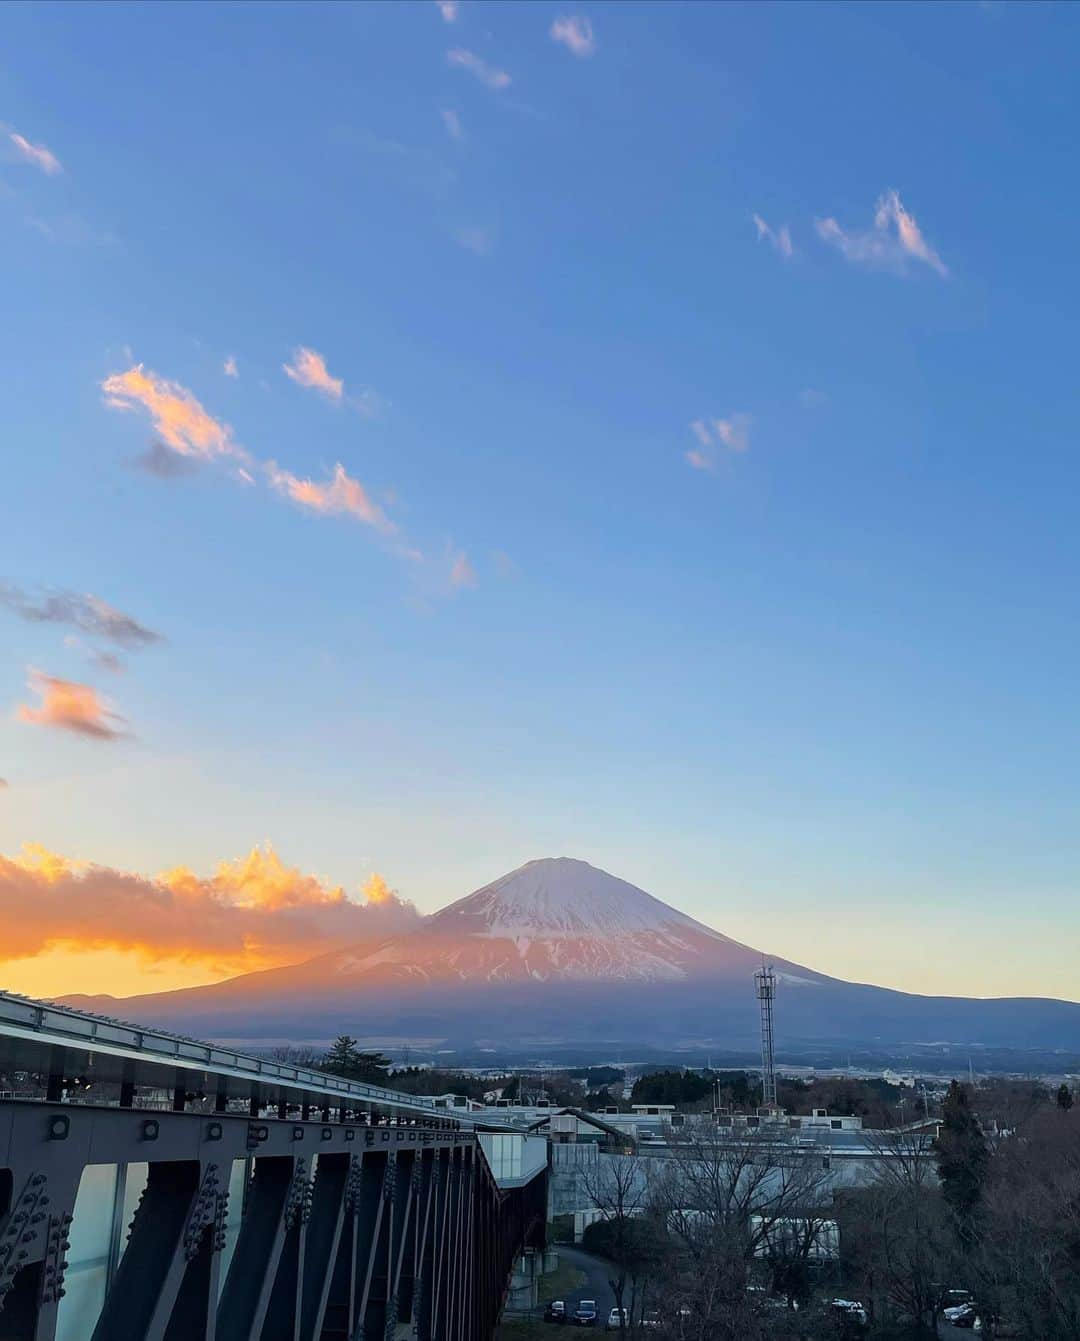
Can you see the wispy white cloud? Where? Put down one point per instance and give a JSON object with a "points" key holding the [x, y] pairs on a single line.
{"points": [[452, 122], [779, 237], [478, 240], [894, 239], [230, 368], [479, 68], [37, 154], [575, 32], [732, 433], [448, 9]]}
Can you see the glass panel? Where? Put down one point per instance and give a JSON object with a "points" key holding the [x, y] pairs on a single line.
{"points": [[134, 1186], [234, 1214], [88, 1256]]}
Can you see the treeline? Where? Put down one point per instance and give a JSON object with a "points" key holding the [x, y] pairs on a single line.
{"points": [[347, 1059], [876, 1101]]}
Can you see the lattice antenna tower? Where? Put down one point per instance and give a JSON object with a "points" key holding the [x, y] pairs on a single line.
{"points": [[765, 984]]}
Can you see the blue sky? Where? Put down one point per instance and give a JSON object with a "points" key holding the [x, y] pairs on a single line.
{"points": [[820, 694]]}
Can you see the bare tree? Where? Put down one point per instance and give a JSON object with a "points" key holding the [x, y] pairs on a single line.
{"points": [[729, 1195], [896, 1237], [618, 1187]]}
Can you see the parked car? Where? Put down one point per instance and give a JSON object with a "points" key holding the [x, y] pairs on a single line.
{"points": [[651, 1318], [618, 1319], [555, 1311], [964, 1315], [851, 1313], [585, 1314]]}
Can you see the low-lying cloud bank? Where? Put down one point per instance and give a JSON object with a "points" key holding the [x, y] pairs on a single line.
{"points": [[252, 913]]}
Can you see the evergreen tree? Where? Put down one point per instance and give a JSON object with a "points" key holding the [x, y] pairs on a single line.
{"points": [[346, 1060], [1064, 1097], [962, 1158], [342, 1058]]}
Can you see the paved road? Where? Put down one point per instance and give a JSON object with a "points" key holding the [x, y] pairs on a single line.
{"points": [[597, 1273]]}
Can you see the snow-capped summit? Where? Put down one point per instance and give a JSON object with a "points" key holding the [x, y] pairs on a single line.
{"points": [[560, 919], [561, 896]]}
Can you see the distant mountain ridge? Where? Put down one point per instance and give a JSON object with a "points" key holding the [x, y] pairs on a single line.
{"points": [[560, 952]]}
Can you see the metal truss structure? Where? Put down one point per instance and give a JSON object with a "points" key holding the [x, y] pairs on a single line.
{"points": [[337, 1225]]}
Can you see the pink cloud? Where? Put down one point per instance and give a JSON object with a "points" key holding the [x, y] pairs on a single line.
{"points": [[71, 706], [448, 9], [479, 68], [575, 32], [178, 418], [37, 154], [462, 573], [341, 495], [308, 368], [732, 433], [779, 237], [894, 239]]}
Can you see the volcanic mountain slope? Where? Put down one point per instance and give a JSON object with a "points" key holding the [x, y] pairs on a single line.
{"points": [[561, 952], [556, 920]]}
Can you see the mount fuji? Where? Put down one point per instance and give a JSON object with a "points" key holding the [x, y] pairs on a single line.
{"points": [[561, 953]]}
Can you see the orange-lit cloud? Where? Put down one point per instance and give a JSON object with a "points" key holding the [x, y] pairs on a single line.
{"points": [[253, 913], [340, 495], [71, 706], [881, 245], [308, 368], [178, 418], [575, 32], [479, 68], [37, 154], [377, 891]]}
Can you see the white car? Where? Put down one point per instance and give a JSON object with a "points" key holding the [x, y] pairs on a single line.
{"points": [[852, 1308], [617, 1319]]}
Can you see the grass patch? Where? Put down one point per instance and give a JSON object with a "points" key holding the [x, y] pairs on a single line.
{"points": [[557, 1284], [521, 1331]]}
